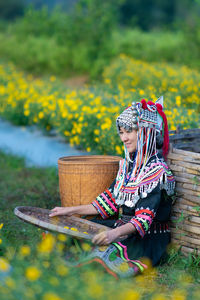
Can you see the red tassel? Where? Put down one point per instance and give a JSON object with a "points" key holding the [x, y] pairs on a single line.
{"points": [[166, 132]]}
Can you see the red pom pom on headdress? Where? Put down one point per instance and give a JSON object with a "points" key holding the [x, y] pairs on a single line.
{"points": [[144, 104]]}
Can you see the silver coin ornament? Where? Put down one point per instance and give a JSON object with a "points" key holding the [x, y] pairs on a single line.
{"points": [[129, 203], [134, 126]]}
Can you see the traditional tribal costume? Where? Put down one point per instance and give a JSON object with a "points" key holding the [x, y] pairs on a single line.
{"points": [[139, 195]]}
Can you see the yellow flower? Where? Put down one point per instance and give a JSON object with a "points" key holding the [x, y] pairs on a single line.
{"points": [[62, 237], [178, 100], [74, 229], [130, 295], [27, 112], [4, 265], [173, 127], [178, 295], [51, 296], [25, 250], [141, 92], [0, 241], [96, 131], [118, 149], [107, 80], [32, 273], [1, 225], [52, 78], [46, 246], [41, 115], [66, 133], [102, 248], [35, 119], [88, 149], [86, 247], [62, 270]]}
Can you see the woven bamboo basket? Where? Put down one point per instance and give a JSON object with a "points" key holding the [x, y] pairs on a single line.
{"points": [[185, 225], [76, 227], [83, 178]]}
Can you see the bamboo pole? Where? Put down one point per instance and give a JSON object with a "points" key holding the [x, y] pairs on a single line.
{"points": [[182, 170], [188, 219], [185, 202], [187, 197], [191, 187], [191, 177], [186, 153], [187, 242], [188, 250], [185, 179], [180, 232], [173, 156], [183, 191], [187, 209], [189, 228], [186, 165]]}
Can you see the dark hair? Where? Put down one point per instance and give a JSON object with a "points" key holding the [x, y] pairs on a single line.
{"points": [[159, 140]]}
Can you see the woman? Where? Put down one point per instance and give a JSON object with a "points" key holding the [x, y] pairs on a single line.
{"points": [[140, 195]]}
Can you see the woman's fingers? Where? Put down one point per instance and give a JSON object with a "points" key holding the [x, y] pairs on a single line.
{"points": [[56, 211], [100, 239]]}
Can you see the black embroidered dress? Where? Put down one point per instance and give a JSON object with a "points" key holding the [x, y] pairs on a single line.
{"points": [[147, 205]]}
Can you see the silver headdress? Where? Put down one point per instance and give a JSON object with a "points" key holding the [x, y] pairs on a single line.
{"points": [[150, 121]]}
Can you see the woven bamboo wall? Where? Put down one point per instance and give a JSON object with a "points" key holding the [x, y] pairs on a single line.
{"points": [[186, 210], [188, 139]]}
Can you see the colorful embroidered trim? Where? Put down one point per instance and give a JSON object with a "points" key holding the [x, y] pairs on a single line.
{"points": [[124, 255], [156, 172], [142, 220], [105, 204]]}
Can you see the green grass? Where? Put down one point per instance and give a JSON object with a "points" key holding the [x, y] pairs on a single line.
{"points": [[20, 185]]}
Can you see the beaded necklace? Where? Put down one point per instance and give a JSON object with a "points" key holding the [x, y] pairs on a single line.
{"points": [[127, 178]]}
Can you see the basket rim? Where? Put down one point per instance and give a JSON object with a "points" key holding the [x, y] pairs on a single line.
{"points": [[89, 159]]}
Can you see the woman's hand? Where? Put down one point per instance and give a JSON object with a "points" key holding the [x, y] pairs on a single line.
{"points": [[105, 237], [61, 211]]}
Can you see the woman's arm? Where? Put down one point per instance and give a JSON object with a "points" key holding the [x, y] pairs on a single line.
{"points": [[107, 237], [88, 209]]}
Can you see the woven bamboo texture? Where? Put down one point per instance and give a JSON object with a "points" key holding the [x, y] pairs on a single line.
{"points": [[186, 139], [83, 178], [73, 226], [186, 209]]}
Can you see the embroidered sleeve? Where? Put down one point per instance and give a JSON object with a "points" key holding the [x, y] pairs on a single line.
{"points": [[105, 203], [146, 211]]}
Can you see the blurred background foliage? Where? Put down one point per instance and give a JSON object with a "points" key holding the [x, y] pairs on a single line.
{"points": [[81, 37]]}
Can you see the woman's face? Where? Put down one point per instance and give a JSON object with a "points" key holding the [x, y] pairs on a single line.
{"points": [[129, 139]]}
